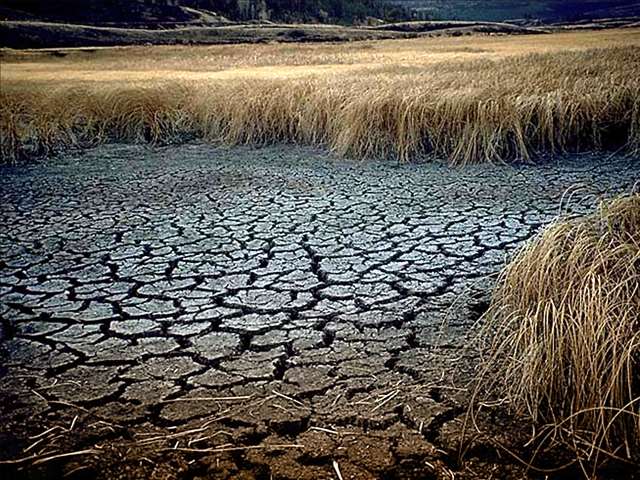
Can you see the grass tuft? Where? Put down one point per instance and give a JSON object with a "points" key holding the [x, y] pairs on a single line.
{"points": [[566, 329]]}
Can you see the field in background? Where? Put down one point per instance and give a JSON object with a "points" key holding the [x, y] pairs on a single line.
{"points": [[466, 99]]}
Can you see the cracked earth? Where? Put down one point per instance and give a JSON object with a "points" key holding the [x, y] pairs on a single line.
{"points": [[196, 312]]}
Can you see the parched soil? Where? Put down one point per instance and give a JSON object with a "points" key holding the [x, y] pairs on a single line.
{"points": [[198, 312]]}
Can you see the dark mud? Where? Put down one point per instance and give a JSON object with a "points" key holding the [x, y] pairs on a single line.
{"points": [[197, 312]]}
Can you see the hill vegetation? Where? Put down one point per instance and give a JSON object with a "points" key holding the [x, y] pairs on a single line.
{"points": [[153, 13], [129, 12], [501, 10], [332, 11]]}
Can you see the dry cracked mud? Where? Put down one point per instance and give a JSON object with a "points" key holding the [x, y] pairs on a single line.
{"points": [[198, 312]]}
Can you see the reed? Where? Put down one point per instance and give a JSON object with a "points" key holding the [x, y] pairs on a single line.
{"points": [[471, 109]]}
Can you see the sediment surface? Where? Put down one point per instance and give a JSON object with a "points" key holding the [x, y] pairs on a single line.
{"points": [[198, 312]]}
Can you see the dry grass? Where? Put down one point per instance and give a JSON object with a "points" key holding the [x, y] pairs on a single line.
{"points": [[566, 313], [469, 100]]}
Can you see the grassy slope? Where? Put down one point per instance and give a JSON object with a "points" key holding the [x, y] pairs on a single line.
{"points": [[37, 34], [55, 35]]}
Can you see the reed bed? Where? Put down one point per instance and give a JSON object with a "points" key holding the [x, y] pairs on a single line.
{"points": [[566, 335], [469, 107]]}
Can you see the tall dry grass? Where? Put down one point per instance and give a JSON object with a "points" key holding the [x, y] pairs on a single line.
{"points": [[466, 110], [565, 320]]}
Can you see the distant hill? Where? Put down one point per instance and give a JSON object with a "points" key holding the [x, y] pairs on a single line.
{"points": [[121, 12], [90, 23], [149, 12], [500, 10]]}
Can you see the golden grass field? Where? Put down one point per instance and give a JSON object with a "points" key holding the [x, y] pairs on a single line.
{"points": [[469, 99]]}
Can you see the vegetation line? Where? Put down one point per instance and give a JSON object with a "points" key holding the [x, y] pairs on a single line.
{"points": [[483, 110]]}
